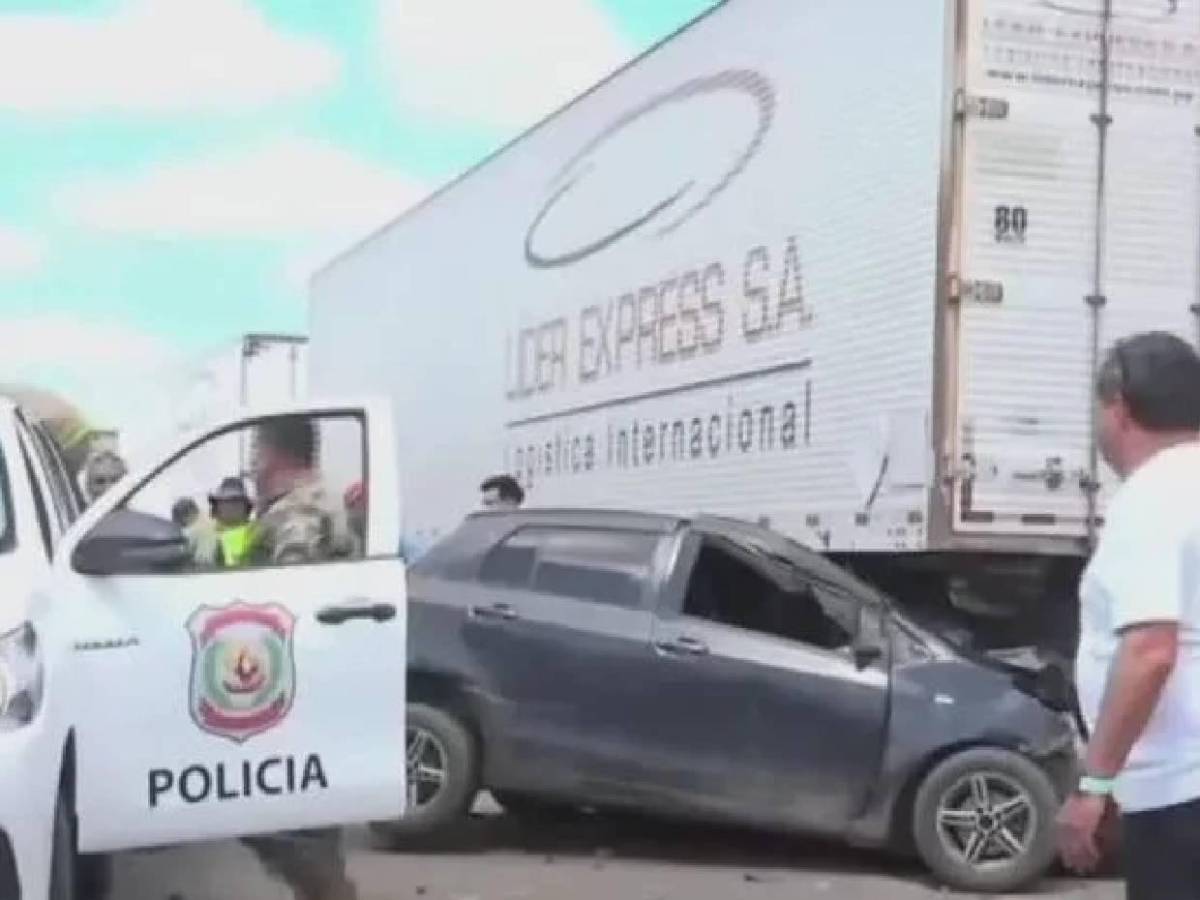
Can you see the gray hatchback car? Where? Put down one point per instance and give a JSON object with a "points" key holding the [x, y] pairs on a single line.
{"points": [[711, 669]]}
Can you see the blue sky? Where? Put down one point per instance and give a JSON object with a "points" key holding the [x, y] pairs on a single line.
{"points": [[174, 169]]}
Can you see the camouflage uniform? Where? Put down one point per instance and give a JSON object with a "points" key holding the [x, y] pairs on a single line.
{"points": [[307, 524]]}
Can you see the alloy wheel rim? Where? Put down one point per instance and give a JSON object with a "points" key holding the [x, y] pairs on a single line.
{"points": [[425, 767], [987, 820]]}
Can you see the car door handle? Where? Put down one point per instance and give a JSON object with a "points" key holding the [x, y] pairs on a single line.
{"points": [[685, 646], [376, 612], [497, 612]]}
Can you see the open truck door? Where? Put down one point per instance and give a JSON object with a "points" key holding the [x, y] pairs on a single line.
{"points": [[211, 701]]}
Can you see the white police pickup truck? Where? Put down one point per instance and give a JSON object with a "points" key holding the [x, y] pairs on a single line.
{"points": [[145, 701]]}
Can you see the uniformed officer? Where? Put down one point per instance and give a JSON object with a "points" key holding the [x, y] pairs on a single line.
{"points": [[230, 507], [299, 521]]}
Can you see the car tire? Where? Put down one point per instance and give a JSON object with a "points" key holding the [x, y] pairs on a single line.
{"points": [[983, 821], [533, 809], [436, 740], [63, 859]]}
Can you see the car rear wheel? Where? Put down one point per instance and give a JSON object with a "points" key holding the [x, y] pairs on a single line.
{"points": [[442, 775], [983, 821]]}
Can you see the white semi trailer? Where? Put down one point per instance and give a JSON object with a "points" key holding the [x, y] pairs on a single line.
{"points": [[846, 267], [254, 370]]}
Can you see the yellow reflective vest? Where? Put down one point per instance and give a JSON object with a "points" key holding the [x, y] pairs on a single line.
{"points": [[237, 543]]}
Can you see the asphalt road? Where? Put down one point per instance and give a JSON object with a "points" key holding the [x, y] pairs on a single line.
{"points": [[498, 859]]}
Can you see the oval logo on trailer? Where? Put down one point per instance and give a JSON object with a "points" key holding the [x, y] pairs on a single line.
{"points": [[243, 678], [653, 168]]}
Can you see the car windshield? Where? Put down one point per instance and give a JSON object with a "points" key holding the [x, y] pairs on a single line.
{"points": [[812, 565]]}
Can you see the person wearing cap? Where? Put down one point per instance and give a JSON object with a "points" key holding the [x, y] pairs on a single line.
{"points": [[230, 507]]}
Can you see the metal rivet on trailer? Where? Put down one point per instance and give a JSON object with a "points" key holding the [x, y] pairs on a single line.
{"points": [[1095, 301], [1101, 120], [862, 519]]}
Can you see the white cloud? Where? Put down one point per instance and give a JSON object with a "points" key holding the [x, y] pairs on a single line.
{"points": [[505, 64], [156, 56], [290, 188], [20, 251], [63, 341], [100, 365]]}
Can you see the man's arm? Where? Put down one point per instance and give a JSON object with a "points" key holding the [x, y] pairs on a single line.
{"points": [[1143, 664]]}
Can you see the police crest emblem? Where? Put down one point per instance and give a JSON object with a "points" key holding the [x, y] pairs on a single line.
{"points": [[243, 679]]}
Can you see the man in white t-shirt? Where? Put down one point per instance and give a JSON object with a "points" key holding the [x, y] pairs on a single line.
{"points": [[1138, 666]]}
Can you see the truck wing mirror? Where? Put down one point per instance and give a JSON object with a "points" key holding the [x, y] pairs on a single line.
{"points": [[126, 543]]}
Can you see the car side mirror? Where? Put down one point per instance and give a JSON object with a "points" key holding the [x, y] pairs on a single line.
{"points": [[131, 543], [865, 647], [866, 654]]}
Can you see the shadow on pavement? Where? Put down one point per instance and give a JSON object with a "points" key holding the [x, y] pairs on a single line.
{"points": [[633, 838], [605, 838]]}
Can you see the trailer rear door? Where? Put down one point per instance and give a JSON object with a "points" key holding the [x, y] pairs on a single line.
{"points": [[1077, 221]]}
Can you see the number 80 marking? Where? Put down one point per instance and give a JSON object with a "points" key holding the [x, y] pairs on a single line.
{"points": [[1011, 223]]}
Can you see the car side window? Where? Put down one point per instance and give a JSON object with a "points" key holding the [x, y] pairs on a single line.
{"points": [[65, 496], [510, 563], [49, 539], [726, 588], [57, 515], [72, 498], [284, 490], [598, 565]]}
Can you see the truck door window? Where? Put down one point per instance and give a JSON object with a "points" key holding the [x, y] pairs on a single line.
{"points": [[727, 589], [39, 504], [72, 499], [282, 491], [597, 565], [57, 483], [58, 515]]}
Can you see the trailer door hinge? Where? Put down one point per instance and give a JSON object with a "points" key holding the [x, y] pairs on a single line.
{"points": [[963, 289], [967, 106]]}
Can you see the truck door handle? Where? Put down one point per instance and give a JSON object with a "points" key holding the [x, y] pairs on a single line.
{"points": [[501, 612], [682, 646], [376, 612]]}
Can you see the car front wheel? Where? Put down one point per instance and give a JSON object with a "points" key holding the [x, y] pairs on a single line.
{"points": [[442, 775], [983, 821]]}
